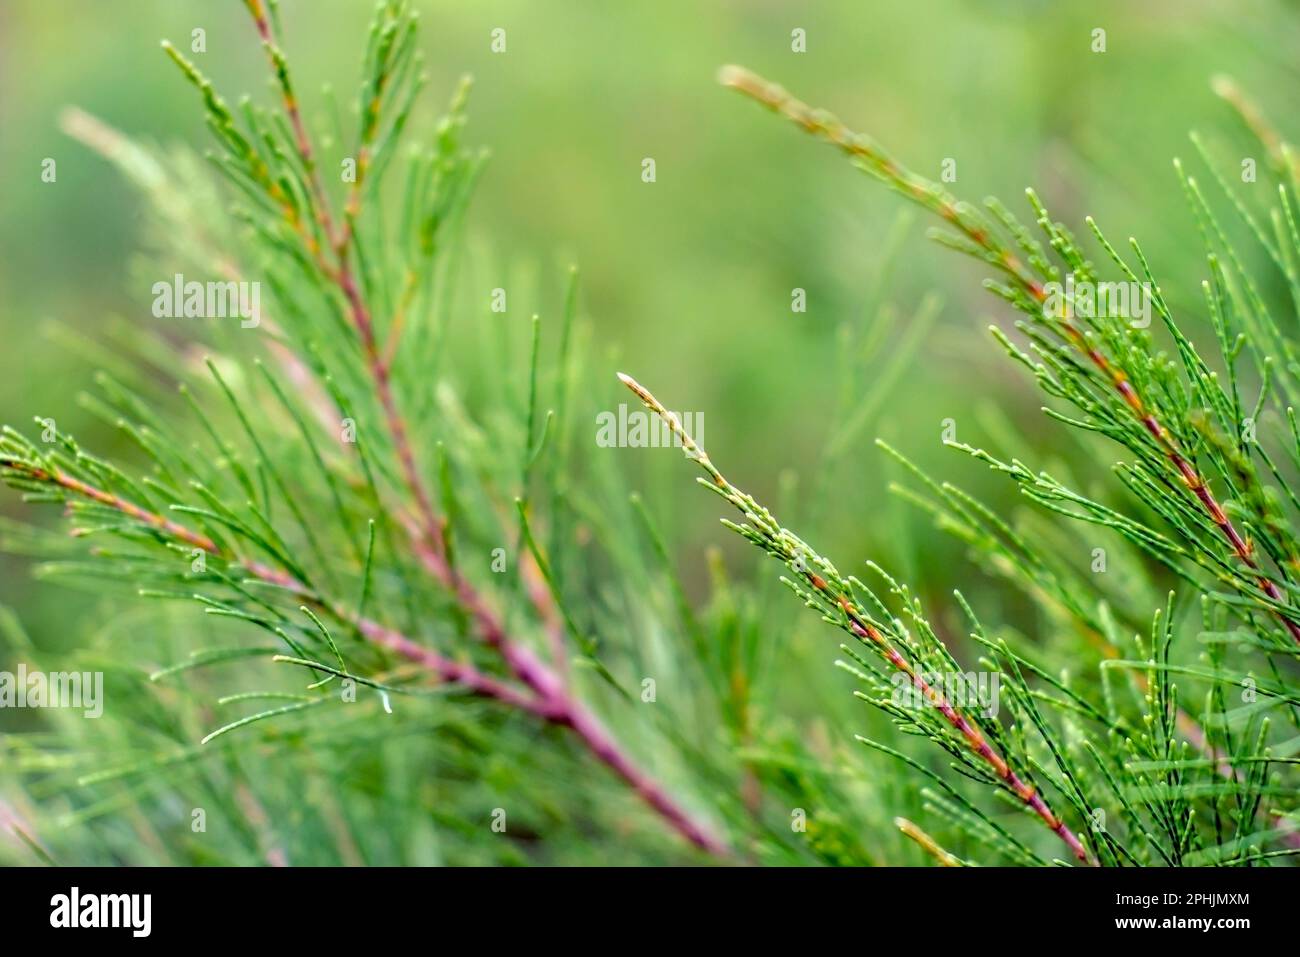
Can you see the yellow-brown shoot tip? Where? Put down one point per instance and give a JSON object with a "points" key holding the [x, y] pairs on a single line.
{"points": [[642, 392], [738, 78], [728, 74]]}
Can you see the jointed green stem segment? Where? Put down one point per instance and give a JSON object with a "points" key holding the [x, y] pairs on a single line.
{"points": [[836, 594]]}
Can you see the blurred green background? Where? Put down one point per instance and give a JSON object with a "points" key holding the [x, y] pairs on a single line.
{"points": [[687, 281]]}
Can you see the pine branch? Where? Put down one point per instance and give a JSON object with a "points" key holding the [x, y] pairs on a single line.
{"points": [[834, 593], [549, 699], [280, 67], [985, 243], [295, 196], [448, 670], [430, 542]]}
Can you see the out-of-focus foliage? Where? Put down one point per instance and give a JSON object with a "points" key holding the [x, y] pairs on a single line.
{"points": [[689, 278]]}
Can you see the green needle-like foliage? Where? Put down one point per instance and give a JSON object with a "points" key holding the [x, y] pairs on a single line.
{"points": [[411, 630], [369, 596], [1190, 432], [1210, 486]]}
